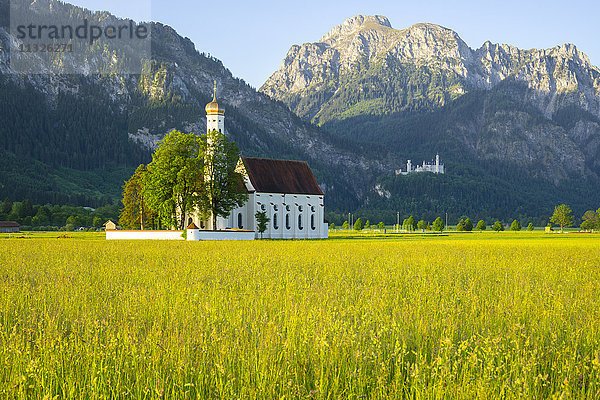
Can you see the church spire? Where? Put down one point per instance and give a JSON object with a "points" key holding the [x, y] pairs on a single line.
{"points": [[215, 114]]}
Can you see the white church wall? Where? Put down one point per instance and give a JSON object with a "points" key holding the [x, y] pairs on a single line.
{"points": [[278, 206], [198, 235], [305, 215]]}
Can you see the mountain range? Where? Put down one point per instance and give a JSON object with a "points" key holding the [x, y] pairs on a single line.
{"points": [[75, 138], [518, 130]]}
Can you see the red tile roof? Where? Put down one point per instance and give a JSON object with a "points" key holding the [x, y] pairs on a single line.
{"points": [[9, 224], [281, 176]]}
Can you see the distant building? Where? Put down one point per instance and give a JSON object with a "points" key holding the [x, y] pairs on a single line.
{"points": [[433, 166], [9, 227], [110, 225]]}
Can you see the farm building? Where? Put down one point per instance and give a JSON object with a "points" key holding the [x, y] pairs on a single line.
{"points": [[9, 227], [110, 225]]}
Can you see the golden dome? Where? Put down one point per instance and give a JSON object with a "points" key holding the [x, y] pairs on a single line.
{"points": [[213, 107]]}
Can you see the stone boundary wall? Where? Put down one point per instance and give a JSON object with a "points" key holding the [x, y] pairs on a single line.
{"points": [[192, 235], [143, 235]]}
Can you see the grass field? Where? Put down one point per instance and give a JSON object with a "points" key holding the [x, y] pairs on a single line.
{"points": [[462, 316]]}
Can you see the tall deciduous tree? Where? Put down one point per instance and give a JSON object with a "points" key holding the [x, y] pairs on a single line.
{"points": [[591, 220], [515, 226], [438, 224], [223, 186], [468, 225], [498, 226], [358, 225], [135, 212], [562, 216], [481, 225], [411, 224], [173, 181]]}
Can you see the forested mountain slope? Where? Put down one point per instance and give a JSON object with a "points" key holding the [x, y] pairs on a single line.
{"points": [[75, 138]]}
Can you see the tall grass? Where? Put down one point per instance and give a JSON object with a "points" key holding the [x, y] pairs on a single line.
{"points": [[420, 319]]}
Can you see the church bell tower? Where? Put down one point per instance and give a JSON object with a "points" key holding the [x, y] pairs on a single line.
{"points": [[215, 115]]}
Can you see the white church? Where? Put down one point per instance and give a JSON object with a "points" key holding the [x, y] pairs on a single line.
{"points": [[286, 190]]}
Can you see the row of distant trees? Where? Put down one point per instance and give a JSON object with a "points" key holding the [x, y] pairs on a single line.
{"points": [[188, 173], [54, 217], [562, 216]]}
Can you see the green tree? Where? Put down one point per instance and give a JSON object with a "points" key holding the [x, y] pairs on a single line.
{"points": [[223, 185], [97, 222], [498, 226], [6, 206], [411, 223], [42, 217], [345, 225], [72, 222], [172, 182], [562, 216], [135, 212], [332, 226], [515, 226], [438, 224], [367, 225], [591, 220], [381, 225], [262, 222], [358, 225], [481, 225], [460, 226], [26, 209], [468, 225], [530, 227], [16, 214], [421, 225]]}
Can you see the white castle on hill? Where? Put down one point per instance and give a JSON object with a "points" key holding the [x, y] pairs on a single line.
{"points": [[433, 166]]}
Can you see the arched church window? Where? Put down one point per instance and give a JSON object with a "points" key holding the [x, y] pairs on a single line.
{"points": [[275, 222], [240, 225], [312, 222], [189, 221], [300, 222], [263, 207], [287, 221], [202, 226]]}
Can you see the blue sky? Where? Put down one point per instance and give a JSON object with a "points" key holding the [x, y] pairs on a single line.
{"points": [[253, 37]]}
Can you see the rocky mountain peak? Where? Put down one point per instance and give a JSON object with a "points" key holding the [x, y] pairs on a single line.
{"points": [[355, 24]]}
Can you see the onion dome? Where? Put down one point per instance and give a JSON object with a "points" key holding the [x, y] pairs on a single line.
{"points": [[213, 107]]}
